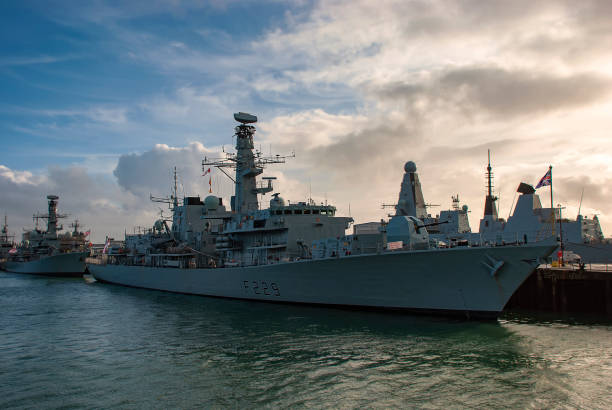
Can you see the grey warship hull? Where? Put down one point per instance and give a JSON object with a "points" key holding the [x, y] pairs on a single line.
{"points": [[443, 281], [64, 265]]}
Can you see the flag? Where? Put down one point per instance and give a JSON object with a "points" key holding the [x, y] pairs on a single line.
{"points": [[546, 180], [106, 245], [206, 172], [12, 251]]}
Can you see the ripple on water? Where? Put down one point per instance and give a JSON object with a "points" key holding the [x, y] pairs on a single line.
{"points": [[69, 343]]}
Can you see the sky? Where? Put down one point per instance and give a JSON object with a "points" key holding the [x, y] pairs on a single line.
{"points": [[100, 100]]}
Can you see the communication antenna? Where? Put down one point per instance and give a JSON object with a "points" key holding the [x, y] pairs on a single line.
{"points": [[309, 191], [511, 205], [172, 200], [175, 193], [580, 206]]}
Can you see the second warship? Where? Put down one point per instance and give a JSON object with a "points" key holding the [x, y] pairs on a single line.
{"points": [[299, 252], [530, 221], [48, 252]]}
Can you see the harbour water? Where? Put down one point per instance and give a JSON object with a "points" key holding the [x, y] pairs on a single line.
{"points": [[75, 343]]}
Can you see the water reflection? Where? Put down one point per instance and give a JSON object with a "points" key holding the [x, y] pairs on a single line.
{"points": [[69, 342]]}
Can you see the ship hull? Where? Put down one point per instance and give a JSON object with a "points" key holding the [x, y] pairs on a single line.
{"points": [[446, 281], [64, 265], [591, 253]]}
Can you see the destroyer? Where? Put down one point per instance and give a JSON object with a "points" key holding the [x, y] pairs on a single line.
{"points": [[531, 222], [47, 252], [299, 253]]}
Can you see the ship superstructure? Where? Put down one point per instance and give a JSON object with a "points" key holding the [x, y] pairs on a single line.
{"points": [[283, 231], [530, 221], [449, 226]]}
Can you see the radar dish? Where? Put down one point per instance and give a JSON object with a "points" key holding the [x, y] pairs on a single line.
{"points": [[525, 189], [245, 118]]}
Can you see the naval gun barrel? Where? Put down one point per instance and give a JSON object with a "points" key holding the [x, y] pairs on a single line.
{"points": [[418, 227]]}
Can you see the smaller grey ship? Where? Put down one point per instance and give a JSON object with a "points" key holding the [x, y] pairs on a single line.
{"points": [[49, 252], [7, 242]]}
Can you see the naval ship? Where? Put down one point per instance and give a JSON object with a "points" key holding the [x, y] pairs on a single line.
{"points": [[49, 252], [7, 242], [532, 222], [299, 252]]}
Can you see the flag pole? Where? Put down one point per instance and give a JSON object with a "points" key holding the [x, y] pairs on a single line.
{"points": [[552, 206]]}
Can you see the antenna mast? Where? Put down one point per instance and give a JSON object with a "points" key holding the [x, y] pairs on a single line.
{"points": [[580, 206], [248, 163], [490, 208], [172, 200]]}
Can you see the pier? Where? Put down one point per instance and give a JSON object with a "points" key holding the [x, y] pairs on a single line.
{"points": [[566, 289]]}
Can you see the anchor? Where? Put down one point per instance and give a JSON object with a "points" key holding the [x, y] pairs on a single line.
{"points": [[495, 265]]}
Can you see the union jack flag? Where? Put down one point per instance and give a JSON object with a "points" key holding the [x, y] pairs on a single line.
{"points": [[546, 180]]}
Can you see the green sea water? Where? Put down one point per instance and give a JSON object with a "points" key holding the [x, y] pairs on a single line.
{"points": [[72, 343]]}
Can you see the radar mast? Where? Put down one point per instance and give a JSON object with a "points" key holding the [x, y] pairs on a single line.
{"points": [[51, 217], [248, 165], [490, 208]]}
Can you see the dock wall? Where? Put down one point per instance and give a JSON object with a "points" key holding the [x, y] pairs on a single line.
{"points": [[570, 289]]}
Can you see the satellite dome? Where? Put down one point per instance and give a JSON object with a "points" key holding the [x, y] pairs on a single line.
{"points": [[465, 208], [158, 225], [410, 167], [211, 203], [277, 201]]}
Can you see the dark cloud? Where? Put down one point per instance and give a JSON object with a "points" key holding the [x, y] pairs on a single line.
{"points": [[466, 17], [470, 153], [363, 147], [151, 171], [503, 93], [597, 194]]}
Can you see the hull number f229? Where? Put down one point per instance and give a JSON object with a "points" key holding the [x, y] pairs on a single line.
{"points": [[261, 287]]}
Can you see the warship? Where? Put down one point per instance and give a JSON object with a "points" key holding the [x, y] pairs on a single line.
{"points": [[532, 222], [7, 241], [300, 253], [529, 222], [49, 252]]}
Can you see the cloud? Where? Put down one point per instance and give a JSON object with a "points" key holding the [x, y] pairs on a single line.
{"points": [[358, 88], [17, 177], [503, 93], [151, 171], [94, 199], [34, 60]]}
